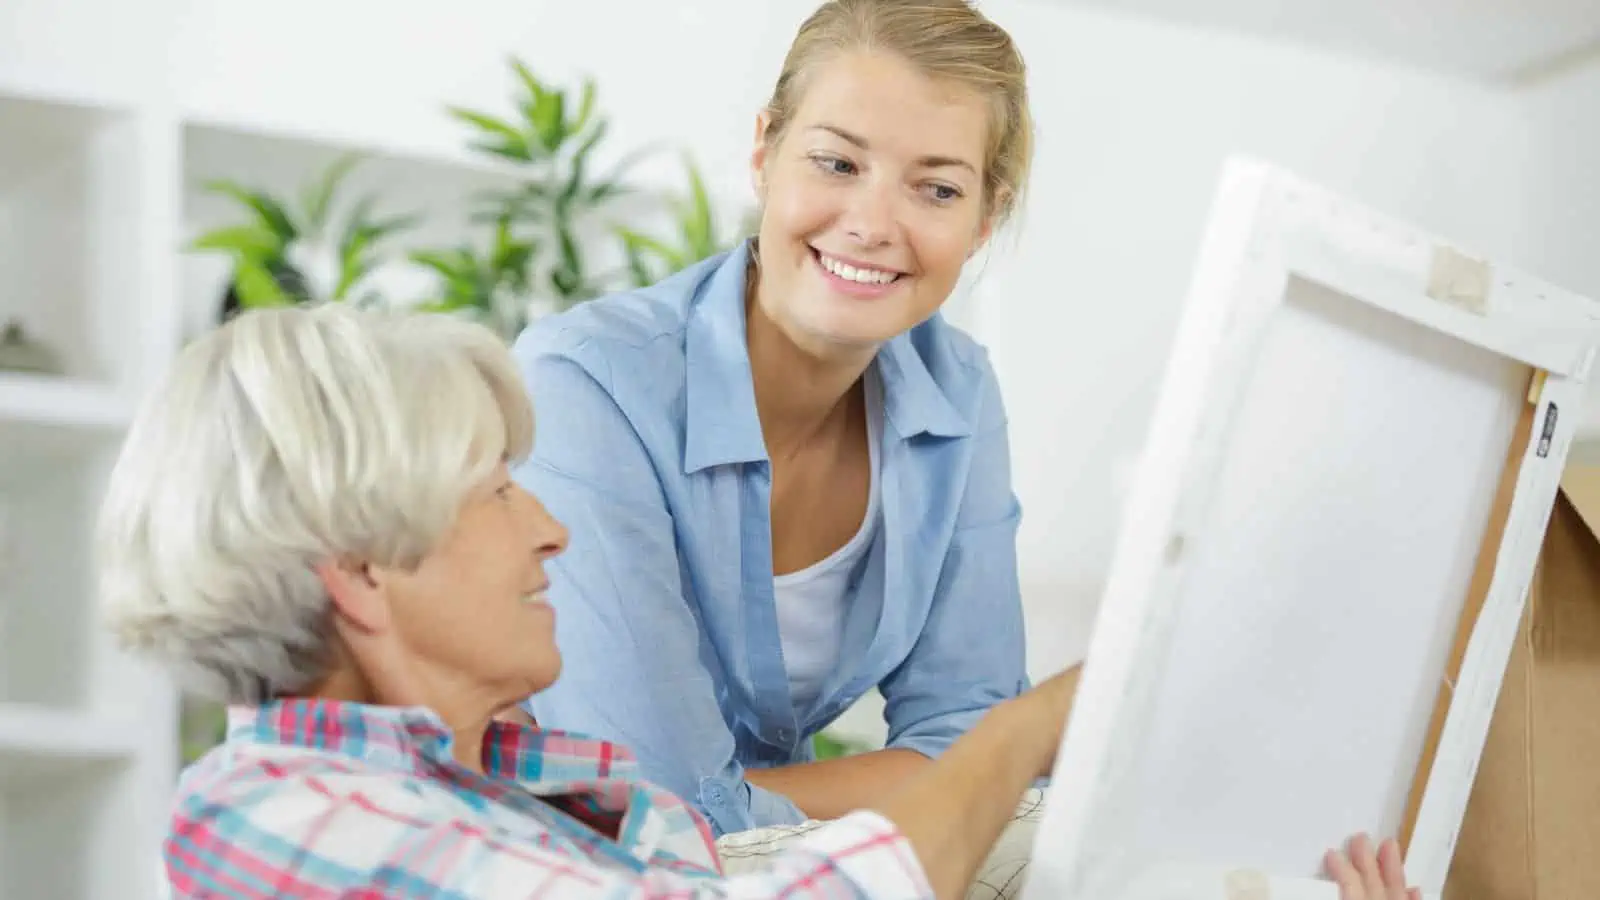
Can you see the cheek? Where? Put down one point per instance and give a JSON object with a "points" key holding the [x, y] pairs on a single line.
{"points": [[942, 252], [797, 210]]}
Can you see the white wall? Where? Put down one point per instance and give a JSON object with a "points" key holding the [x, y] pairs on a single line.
{"points": [[1564, 195], [1135, 118]]}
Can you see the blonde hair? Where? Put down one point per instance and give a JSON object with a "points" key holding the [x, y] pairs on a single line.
{"points": [[285, 438], [948, 40]]}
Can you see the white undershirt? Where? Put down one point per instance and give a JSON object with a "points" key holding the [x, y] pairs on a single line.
{"points": [[811, 602]]}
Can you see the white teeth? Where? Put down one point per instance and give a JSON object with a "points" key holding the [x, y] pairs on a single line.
{"points": [[534, 599], [860, 276]]}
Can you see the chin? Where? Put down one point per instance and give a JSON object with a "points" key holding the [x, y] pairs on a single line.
{"points": [[852, 328]]}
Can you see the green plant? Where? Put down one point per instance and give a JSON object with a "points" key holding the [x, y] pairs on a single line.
{"points": [[827, 746], [650, 259], [275, 246], [551, 139], [491, 286]]}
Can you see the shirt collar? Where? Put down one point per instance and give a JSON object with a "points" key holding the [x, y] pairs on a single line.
{"points": [[722, 423], [415, 738]]}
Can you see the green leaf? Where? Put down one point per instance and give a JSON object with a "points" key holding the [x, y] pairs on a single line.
{"points": [[646, 244], [318, 198], [530, 82], [268, 211], [573, 189], [500, 137], [546, 118], [544, 109], [697, 224], [448, 263], [257, 288], [246, 240], [585, 107], [637, 267]]}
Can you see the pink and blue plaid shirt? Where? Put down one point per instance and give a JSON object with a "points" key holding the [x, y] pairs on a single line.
{"points": [[317, 799]]}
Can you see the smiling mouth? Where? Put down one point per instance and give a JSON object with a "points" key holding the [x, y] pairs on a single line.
{"points": [[866, 277]]}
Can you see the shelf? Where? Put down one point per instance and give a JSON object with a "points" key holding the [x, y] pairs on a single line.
{"points": [[41, 743], [61, 402], [70, 221]]}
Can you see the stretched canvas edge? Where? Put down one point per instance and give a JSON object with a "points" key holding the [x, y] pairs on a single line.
{"points": [[1516, 304]]}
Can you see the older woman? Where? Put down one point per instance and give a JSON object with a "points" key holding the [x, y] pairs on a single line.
{"points": [[312, 520]]}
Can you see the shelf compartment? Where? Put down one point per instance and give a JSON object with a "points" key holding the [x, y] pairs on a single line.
{"points": [[402, 181], [51, 483], [67, 783], [70, 223]]}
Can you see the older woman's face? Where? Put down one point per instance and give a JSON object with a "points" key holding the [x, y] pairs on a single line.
{"points": [[475, 610]]}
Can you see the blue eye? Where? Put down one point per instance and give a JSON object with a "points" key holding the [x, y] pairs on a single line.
{"points": [[944, 193], [833, 165]]}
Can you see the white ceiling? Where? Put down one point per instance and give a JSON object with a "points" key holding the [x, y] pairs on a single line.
{"points": [[1501, 40]]}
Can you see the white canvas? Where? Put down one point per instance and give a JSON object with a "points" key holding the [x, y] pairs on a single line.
{"points": [[1358, 442]]}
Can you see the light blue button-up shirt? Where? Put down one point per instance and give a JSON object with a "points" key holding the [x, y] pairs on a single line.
{"points": [[649, 448]]}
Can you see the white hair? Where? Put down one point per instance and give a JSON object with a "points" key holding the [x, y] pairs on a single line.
{"points": [[285, 438]]}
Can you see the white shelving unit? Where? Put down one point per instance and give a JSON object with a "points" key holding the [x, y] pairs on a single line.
{"points": [[106, 135], [97, 201], [85, 735]]}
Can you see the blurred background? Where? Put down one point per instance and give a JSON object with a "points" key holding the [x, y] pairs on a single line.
{"points": [[163, 162]]}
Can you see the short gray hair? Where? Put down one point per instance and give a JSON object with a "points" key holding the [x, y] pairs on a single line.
{"points": [[284, 438]]}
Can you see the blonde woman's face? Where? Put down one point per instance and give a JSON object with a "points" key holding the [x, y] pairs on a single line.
{"points": [[872, 201]]}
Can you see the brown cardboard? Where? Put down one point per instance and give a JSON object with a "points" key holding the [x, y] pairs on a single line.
{"points": [[1532, 827]]}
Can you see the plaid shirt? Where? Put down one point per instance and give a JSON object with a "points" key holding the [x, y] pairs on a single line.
{"points": [[321, 799]]}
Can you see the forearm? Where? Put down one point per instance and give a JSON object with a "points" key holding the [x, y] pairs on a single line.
{"points": [[835, 787], [954, 809]]}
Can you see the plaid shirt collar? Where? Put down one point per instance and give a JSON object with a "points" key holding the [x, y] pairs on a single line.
{"points": [[591, 781], [415, 739]]}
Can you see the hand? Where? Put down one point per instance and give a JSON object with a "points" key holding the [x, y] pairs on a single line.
{"points": [[1364, 875]]}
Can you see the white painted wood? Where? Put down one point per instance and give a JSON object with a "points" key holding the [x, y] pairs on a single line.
{"points": [[64, 402], [41, 733], [1296, 550], [99, 192]]}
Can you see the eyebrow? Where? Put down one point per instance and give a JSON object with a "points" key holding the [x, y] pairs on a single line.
{"points": [[930, 162]]}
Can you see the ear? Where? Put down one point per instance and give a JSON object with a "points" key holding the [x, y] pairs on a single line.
{"points": [[759, 153], [356, 593]]}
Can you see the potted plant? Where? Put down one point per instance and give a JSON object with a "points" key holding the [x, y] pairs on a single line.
{"points": [[550, 140], [283, 256]]}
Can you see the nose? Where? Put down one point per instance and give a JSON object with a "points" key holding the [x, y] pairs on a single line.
{"points": [[550, 536], [869, 218]]}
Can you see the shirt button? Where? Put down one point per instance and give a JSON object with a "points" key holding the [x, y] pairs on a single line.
{"points": [[785, 735]]}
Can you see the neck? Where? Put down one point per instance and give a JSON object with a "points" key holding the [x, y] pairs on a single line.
{"points": [[799, 391], [468, 721]]}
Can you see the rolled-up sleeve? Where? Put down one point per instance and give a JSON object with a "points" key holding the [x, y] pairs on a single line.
{"points": [[971, 653], [636, 665]]}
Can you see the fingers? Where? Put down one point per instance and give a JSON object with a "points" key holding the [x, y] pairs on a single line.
{"points": [[1343, 874], [1363, 872], [1365, 859], [1392, 870]]}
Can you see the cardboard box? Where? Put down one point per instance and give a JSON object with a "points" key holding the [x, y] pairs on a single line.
{"points": [[1532, 827]]}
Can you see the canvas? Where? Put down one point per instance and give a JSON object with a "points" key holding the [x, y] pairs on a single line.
{"points": [[1322, 560]]}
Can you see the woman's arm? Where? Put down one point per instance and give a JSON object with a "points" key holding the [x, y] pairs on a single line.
{"points": [[633, 671], [971, 653], [831, 788]]}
